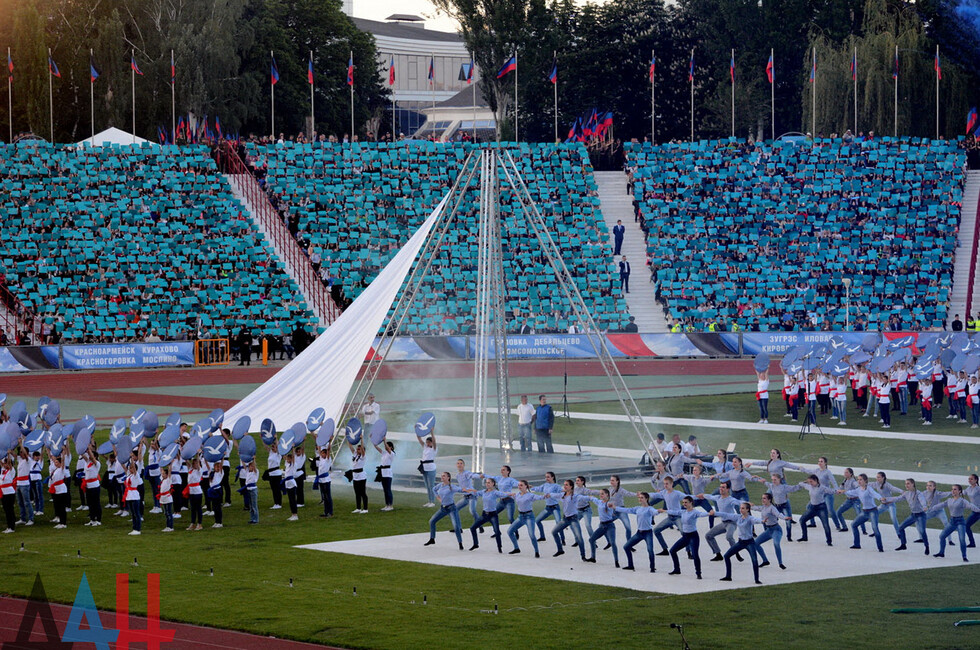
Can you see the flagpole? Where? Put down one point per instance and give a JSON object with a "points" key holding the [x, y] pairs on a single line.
{"points": [[91, 87], [733, 91], [691, 75], [50, 96], [813, 96], [855, 91], [653, 98], [432, 81], [10, 101], [555, 57], [173, 100], [312, 118], [132, 74], [937, 66], [273, 55], [352, 102], [517, 132], [772, 92], [473, 84]]}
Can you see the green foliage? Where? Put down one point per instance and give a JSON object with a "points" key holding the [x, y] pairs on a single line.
{"points": [[221, 50]]}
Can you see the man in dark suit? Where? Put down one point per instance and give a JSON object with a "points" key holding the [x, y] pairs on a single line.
{"points": [[624, 275], [618, 231]]}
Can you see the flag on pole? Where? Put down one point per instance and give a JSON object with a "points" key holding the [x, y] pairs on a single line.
{"points": [[10, 68], [134, 66], [391, 71], [509, 66], [469, 73], [690, 69], [971, 120], [769, 69], [350, 71], [854, 67], [653, 67], [274, 71], [813, 67], [432, 69], [938, 67], [553, 75], [217, 125], [731, 67], [895, 70], [93, 72], [53, 68], [173, 69], [309, 70]]}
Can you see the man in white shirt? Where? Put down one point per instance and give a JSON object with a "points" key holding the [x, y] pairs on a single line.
{"points": [[525, 412], [370, 411]]}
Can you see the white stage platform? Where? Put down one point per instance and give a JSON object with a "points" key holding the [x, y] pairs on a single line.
{"points": [[812, 560]]}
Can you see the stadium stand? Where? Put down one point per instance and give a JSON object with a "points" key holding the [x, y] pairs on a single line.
{"points": [[353, 206], [763, 234], [109, 243]]}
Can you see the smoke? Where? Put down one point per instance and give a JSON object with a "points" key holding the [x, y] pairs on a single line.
{"points": [[968, 12]]}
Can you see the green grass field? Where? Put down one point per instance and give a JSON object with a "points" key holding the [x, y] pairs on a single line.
{"points": [[253, 565]]}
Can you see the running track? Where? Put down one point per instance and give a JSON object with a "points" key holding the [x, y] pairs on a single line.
{"points": [[187, 637]]}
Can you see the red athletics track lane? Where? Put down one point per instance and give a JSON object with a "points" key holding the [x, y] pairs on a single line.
{"points": [[186, 637], [99, 386]]}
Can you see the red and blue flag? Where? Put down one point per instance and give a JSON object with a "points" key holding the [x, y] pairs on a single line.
{"points": [[653, 67], [469, 72], [391, 71], [731, 67], [813, 68], [93, 72], [509, 66], [274, 71], [135, 68], [971, 120], [53, 68], [938, 67], [217, 125], [309, 71], [690, 69], [769, 69], [350, 70], [895, 70], [432, 70], [10, 68], [553, 75], [854, 67], [173, 69]]}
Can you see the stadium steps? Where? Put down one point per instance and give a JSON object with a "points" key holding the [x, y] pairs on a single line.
{"points": [[616, 203], [290, 254], [961, 271]]}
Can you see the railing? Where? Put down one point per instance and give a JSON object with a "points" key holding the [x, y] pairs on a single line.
{"points": [[293, 256], [973, 265], [212, 352], [16, 317]]}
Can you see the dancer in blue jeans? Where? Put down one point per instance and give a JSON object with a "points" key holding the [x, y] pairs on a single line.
{"points": [[816, 508], [570, 503], [525, 516], [688, 522], [869, 510], [972, 492], [780, 490], [444, 493], [956, 505], [465, 481], [770, 516], [644, 529], [552, 506], [672, 501], [490, 499], [606, 528], [616, 497], [917, 514], [744, 525]]}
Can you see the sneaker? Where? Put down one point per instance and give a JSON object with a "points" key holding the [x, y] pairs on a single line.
{"points": [[208, 513], [300, 505], [761, 422], [60, 526], [176, 515], [429, 505], [168, 530], [356, 512], [134, 532], [9, 530], [19, 522], [886, 426], [275, 507], [293, 518], [155, 511], [87, 523], [217, 526]]}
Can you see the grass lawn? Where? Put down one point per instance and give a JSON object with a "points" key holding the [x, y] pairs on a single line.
{"points": [[253, 564]]}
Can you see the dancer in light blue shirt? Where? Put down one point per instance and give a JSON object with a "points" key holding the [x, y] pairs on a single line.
{"points": [[444, 494], [524, 499], [552, 507], [869, 510], [688, 522], [644, 532], [606, 527], [956, 504], [570, 503]]}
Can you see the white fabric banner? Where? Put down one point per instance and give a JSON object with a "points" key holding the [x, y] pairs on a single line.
{"points": [[324, 373]]}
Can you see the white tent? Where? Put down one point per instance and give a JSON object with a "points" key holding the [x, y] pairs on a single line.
{"points": [[113, 136], [323, 374]]}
